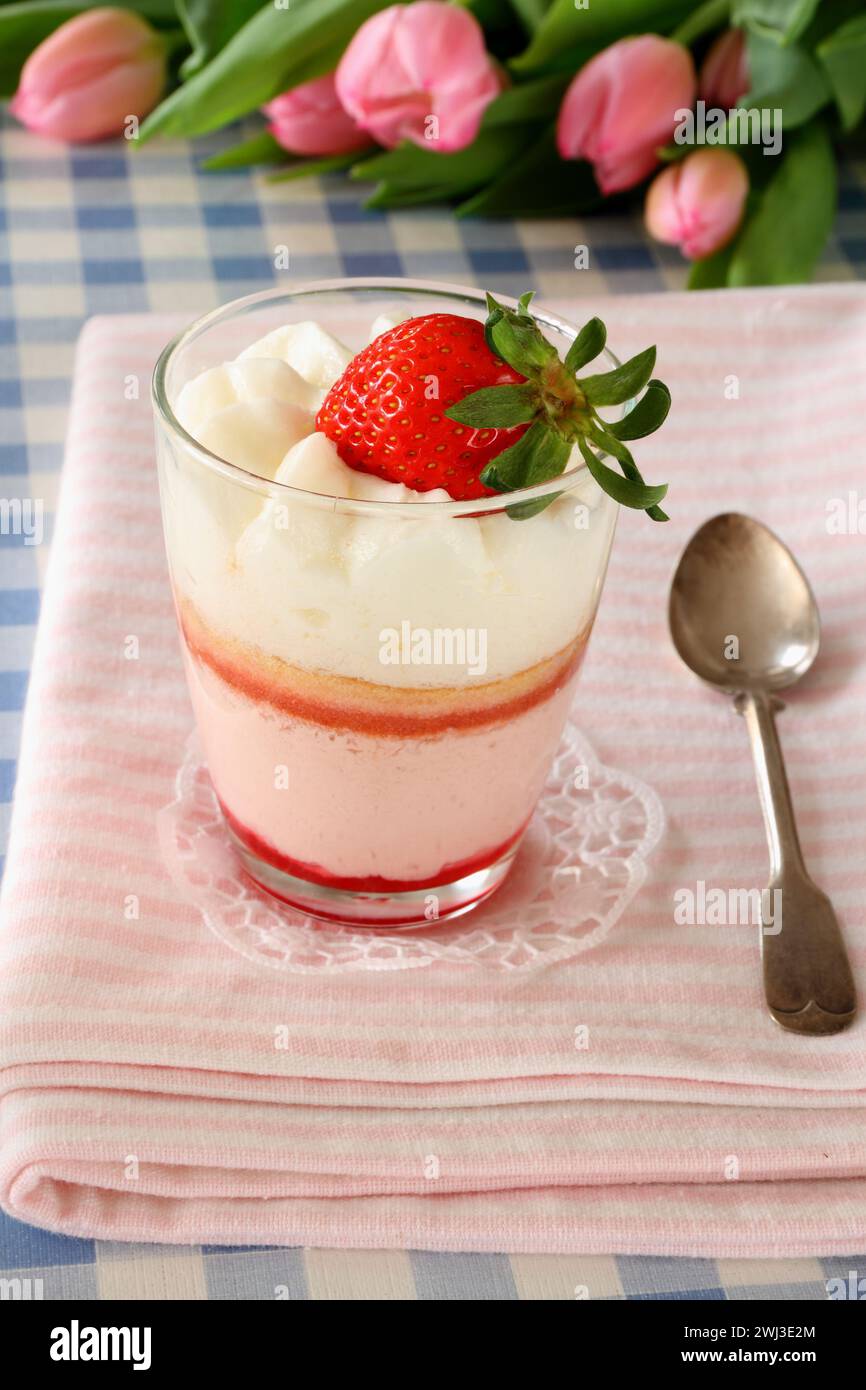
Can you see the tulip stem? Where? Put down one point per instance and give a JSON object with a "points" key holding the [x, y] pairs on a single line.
{"points": [[173, 40], [530, 13], [713, 14]]}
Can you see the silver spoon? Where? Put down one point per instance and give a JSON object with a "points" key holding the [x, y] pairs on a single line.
{"points": [[743, 617]]}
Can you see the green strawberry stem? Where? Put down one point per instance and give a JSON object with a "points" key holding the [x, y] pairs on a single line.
{"points": [[561, 410]]}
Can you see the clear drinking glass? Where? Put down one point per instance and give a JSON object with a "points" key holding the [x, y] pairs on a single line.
{"points": [[379, 686]]}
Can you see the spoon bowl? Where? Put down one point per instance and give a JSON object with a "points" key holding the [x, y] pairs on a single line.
{"points": [[742, 614]]}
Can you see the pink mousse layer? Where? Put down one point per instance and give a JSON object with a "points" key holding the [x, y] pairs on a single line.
{"points": [[357, 805]]}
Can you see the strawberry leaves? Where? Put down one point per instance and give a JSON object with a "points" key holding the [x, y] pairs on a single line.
{"points": [[512, 405], [516, 338], [538, 455], [616, 387], [629, 492], [647, 416], [587, 345], [561, 410], [637, 487]]}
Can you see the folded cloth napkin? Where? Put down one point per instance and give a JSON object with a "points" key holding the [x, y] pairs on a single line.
{"points": [[143, 1095]]}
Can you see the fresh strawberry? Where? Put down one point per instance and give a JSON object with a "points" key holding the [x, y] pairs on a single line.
{"points": [[386, 413], [441, 401]]}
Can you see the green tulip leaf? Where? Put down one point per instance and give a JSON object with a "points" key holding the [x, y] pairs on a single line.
{"points": [[409, 176], [209, 24], [790, 18], [276, 49], [712, 272], [537, 184], [565, 27], [538, 100], [785, 232], [843, 56], [312, 168], [259, 149], [784, 77]]}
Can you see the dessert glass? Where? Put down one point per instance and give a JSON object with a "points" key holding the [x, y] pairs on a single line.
{"points": [[379, 686]]}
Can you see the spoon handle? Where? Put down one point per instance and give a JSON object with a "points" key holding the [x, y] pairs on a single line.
{"points": [[807, 975]]}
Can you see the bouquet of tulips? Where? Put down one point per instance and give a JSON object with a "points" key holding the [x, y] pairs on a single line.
{"points": [[726, 113]]}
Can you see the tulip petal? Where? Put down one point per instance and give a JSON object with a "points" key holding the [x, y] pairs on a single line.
{"points": [[624, 104], [698, 204], [310, 120], [89, 75], [413, 62]]}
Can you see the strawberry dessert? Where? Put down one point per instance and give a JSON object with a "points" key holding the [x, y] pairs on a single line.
{"points": [[386, 565]]}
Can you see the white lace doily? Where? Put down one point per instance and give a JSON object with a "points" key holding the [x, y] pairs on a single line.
{"points": [[580, 864]]}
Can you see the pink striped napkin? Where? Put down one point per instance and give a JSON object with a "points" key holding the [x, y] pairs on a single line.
{"points": [[145, 1095]]}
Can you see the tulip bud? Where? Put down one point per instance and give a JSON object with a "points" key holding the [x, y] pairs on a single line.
{"points": [[87, 78], [623, 105], [310, 120], [697, 205], [421, 73], [724, 76]]}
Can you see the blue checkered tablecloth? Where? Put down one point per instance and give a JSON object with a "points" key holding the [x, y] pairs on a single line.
{"points": [[111, 229]]}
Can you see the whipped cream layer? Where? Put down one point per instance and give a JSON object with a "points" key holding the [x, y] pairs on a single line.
{"points": [[321, 586]]}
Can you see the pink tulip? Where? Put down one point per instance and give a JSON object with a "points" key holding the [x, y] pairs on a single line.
{"points": [[698, 204], [87, 78], [724, 74], [419, 72], [310, 120], [623, 105]]}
